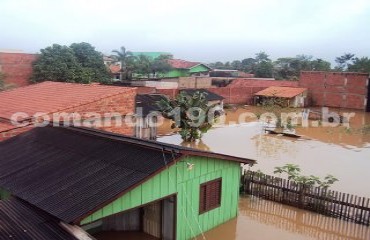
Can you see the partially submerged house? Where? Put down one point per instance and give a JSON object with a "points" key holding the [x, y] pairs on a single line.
{"points": [[211, 97], [104, 182], [183, 68], [147, 114], [284, 96]]}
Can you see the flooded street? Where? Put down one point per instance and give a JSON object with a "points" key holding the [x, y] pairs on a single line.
{"points": [[340, 151], [344, 153], [264, 220]]}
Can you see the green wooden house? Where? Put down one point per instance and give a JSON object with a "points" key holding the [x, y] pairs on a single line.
{"points": [[182, 68], [112, 184]]}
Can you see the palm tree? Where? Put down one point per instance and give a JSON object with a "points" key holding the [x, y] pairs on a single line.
{"points": [[125, 58]]}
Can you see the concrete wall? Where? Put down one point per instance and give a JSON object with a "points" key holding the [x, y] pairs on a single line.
{"points": [[195, 82], [155, 84], [336, 89], [17, 67]]}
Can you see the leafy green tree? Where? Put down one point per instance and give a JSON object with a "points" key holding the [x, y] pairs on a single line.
{"points": [[262, 57], [191, 113], [289, 68], [217, 65], [143, 65], [91, 61], [264, 69], [320, 65], [63, 64], [248, 64], [227, 65], [236, 65], [344, 60], [294, 173], [360, 65], [127, 61], [57, 63], [160, 65]]}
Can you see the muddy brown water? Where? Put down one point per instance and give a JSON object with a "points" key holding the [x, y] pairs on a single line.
{"points": [[341, 151], [265, 220]]}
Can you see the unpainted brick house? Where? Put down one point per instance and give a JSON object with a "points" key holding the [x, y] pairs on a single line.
{"points": [[17, 68]]}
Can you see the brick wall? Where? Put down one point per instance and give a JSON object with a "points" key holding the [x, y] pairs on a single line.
{"points": [[17, 67], [240, 91], [336, 89]]}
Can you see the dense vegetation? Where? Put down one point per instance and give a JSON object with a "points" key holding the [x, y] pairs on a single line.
{"points": [[79, 63], [190, 113], [141, 65], [289, 67]]}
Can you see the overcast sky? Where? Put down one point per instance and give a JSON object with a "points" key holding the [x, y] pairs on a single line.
{"points": [[199, 30]]}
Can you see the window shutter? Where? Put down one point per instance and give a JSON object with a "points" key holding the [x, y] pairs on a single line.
{"points": [[210, 195]]}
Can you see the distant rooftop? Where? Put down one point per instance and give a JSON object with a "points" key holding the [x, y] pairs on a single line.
{"points": [[11, 51], [281, 92]]}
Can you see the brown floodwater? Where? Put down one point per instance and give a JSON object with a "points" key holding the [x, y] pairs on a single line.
{"points": [[341, 151], [265, 220]]}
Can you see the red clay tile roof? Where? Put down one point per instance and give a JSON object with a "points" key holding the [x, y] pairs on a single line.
{"points": [[282, 92], [261, 82], [114, 68], [178, 63], [50, 97], [6, 126]]}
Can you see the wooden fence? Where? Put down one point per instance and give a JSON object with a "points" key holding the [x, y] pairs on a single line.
{"points": [[330, 203]]}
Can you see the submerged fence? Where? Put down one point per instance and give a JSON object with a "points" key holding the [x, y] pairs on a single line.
{"points": [[330, 203], [307, 224]]}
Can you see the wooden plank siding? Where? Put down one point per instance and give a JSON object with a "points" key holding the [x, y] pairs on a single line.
{"points": [[185, 183]]}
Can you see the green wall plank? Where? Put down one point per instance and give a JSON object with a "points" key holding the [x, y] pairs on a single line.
{"points": [[178, 179]]}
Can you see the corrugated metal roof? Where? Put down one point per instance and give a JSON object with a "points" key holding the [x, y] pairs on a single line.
{"points": [[148, 102], [282, 92], [20, 220], [69, 172], [209, 95]]}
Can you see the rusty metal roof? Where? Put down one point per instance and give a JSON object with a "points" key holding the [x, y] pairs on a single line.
{"points": [[147, 103], [20, 220], [281, 92], [71, 172]]}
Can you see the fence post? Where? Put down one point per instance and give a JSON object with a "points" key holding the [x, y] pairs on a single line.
{"points": [[302, 191]]}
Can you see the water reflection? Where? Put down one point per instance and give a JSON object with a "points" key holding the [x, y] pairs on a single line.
{"points": [[198, 145], [337, 151], [260, 219]]}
